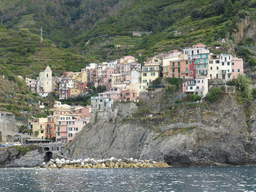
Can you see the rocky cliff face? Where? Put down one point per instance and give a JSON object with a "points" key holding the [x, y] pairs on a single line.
{"points": [[184, 135], [13, 157]]}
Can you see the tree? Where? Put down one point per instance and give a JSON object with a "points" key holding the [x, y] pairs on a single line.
{"points": [[214, 94], [244, 85], [36, 133], [229, 8]]}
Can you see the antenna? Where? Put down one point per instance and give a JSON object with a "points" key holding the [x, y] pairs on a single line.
{"points": [[41, 35]]}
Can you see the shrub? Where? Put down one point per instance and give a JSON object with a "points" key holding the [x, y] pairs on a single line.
{"points": [[193, 97], [214, 94], [177, 101], [36, 133]]}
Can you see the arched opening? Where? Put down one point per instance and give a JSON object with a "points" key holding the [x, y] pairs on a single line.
{"points": [[46, 149], [17, 138], [48, 156]]}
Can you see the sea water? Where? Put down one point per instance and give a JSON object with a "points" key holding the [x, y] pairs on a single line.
{"points": [[142, 179]]}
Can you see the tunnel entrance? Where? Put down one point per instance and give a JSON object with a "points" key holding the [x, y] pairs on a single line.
{"points": [[47, 156]]}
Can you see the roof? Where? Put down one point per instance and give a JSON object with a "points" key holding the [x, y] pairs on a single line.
{"points": [[199, 45], [48, 68]]}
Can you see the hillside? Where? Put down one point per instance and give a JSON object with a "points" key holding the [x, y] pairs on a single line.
{"points": [[22, 53], [102, 30], [16, 97]]}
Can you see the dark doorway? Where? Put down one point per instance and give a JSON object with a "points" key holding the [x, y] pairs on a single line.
{"points": [[47, 156]]}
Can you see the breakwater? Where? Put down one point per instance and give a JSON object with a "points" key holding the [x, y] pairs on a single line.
{"points": [[103, 163]]}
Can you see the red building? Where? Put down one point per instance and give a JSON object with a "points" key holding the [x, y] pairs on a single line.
{"points": [[50, 128]]}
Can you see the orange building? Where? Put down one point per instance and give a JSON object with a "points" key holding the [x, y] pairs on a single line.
{"points": [[180, 68]]}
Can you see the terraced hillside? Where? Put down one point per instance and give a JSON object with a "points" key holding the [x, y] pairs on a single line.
{"points": [[22, 53]]}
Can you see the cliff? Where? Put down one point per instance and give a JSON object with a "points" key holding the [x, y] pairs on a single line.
{"points": [[188, 134], [21, 156]]}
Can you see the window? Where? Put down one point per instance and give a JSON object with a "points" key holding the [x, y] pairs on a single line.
{"points": [[233, 63], [238, 70], [217, 68], [191, 72], [190, 62], [152, 74], [233, 70], [228, 63], [48, 130], [178, 70], [70, 135], [186, 74], [144, 74], [178, 64], [197, 51], [70, 129], [84, 122], [186, 69], [173, 64], [210, 68], [204, 65], [42, 131], [222, 63], [198, 66], [186, 62], [198, 81], [190, 88], [197, 87], [41, 127], [145, 81], [127, 94], [58, 134], [76, 129]]}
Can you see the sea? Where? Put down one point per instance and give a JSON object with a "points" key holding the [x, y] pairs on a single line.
{"points": [[190, 179]]}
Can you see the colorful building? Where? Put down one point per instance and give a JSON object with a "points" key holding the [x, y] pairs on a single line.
{"points": [[237, 67]]}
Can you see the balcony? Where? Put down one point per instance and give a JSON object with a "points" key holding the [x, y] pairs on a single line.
{"points": [[184, 72]]}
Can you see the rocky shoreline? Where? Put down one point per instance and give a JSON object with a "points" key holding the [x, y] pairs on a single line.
{"points": [[103, 163]]}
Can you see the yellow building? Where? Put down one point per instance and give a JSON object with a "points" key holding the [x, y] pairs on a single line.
{"points": [[37, 125], [136, 87], [149, 73], [75, 92]]}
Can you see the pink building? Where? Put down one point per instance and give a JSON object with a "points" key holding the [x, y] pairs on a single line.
{"points": [[114, 94], [68, 126], [198, 86], [83, 110], [67, 74], [129, 95], [237, 67], [76, 125], [34, 85]]}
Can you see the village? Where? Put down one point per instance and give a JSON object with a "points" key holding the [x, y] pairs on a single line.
{"points": [[124, 80]]}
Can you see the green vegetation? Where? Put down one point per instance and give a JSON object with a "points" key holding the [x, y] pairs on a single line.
{"points": [[22, 53], [23, 150], [214, 94], [243, 84], [36, 133], [193, 98], [102, 30], [142, 112]]}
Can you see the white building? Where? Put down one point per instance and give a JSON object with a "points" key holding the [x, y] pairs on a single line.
{"points": [[45, 79], [226, 67]]}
